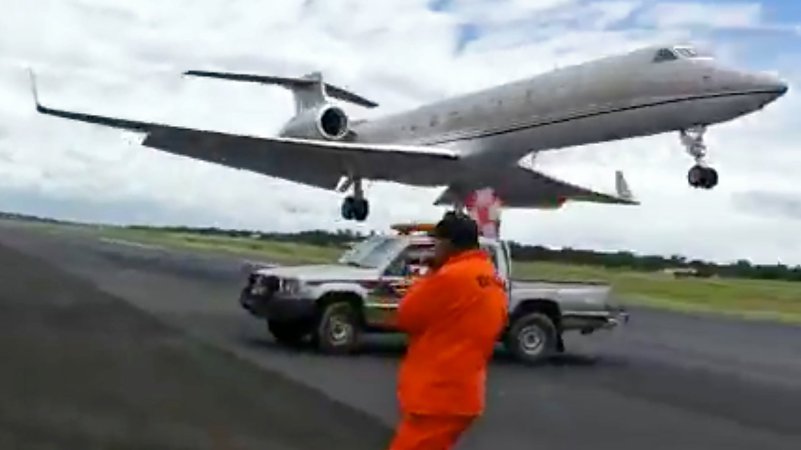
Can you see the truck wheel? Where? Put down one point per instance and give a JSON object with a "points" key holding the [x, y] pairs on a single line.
{"points": [[287, 333], [338, 329], [532, 338]]}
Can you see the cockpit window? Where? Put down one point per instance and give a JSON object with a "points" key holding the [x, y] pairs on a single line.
{"points": [[665, 54], [686, 52]]}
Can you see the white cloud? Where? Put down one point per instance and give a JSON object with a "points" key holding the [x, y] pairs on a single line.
{"points": [[503, 11], [716, 15], [125, 59]]}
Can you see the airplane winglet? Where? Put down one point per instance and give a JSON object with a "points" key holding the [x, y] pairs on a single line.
{"points": [[125, 124], [34, 90], [622, 188]]}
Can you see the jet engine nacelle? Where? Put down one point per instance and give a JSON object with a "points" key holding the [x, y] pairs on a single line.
{"points": [[325, 122]]}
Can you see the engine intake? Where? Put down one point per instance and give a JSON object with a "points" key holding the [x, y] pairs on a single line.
{"points": [[327, 122], [333, 122]]}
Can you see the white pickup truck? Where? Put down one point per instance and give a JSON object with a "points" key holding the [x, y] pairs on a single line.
{"points": [[335, 304]]}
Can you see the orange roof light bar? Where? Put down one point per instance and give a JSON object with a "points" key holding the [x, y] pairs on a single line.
{"points": [[409, 228]]}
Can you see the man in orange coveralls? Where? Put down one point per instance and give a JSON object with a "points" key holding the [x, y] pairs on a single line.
{"points": [[453, 316]]}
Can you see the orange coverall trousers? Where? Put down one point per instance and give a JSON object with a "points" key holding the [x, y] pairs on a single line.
{"points": [[428, 432], [453, 317]]}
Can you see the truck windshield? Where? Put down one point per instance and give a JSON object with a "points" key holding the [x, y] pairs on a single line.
{"points": [[372, 253]]}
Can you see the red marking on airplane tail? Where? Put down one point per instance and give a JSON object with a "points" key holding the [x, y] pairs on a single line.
{"points": [[484, 206]]}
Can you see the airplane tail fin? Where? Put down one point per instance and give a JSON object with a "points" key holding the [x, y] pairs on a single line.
{"points": [[485, 207], [309, 90]]}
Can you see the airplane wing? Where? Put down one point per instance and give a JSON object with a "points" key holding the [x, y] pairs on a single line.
{"points": [[312, 162], [520, 187]]}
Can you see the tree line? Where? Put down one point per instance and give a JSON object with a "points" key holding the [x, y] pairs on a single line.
{"points": [[520, 252]]}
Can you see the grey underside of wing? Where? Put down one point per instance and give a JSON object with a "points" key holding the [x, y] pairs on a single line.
{"points": [[308, 163], [316, 163], [247, 153], [519, 187]]}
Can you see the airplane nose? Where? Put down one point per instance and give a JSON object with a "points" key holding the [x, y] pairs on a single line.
{"points": [[767, 84], [782, 87], [770, 83]]}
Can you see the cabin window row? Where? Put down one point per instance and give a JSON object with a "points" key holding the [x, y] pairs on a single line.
{"points": [[453, 115]]}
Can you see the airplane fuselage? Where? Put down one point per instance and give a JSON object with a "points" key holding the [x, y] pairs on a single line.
{"points": [[474, 141], [641, 93]]}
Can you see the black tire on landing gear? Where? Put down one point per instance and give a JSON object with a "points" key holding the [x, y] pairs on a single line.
{"points": [[702, 177], [361, 209], [711, 178], [338, 329], [348, 209], [287, 333], [695, 175]]}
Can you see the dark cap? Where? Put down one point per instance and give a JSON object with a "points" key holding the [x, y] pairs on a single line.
{"points": [[457, 228]]}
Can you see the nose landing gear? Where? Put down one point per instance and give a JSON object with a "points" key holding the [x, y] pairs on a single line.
{"points": [[700, 175]]}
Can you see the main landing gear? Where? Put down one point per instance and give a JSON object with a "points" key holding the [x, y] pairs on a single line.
{"points": [[700, 175], [355, 207]]}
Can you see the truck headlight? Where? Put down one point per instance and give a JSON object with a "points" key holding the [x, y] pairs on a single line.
{"points": [[263, 285], [291, 286], [257, 286]]}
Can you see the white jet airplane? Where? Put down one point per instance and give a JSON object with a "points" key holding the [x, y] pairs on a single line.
{"points": [[479, 140]]}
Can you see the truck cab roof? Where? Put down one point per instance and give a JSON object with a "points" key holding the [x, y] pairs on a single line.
{"points": [[411, 242], [420, 232]]}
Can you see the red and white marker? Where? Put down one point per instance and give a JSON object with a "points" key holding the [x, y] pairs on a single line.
{"points": [[484, 206]]}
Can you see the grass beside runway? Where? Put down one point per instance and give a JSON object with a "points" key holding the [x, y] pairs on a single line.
{"points": [[269, 251], [775, 300], [759, 299]]}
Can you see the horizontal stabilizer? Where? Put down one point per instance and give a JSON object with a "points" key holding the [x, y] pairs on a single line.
{"points": [[520, 187], [307, 81], [622, 187]]}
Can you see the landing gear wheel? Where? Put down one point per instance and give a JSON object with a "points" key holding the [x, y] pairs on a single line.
{"points": [[348, 208], [361, 209], [355, 209], [287, 333], [702, 177], [532, 338], [337, 331], [711, 178]]}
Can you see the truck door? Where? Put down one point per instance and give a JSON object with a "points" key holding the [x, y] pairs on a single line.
{"points": [[499, 259], [393, 284]]}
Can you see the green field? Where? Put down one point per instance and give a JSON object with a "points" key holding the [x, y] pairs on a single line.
{"points": [[775, 300]]}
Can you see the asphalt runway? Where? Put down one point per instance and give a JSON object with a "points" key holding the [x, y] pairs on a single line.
{"points": [[665, 381], [82, 369]]}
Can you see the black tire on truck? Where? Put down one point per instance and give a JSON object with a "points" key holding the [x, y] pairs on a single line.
{"points": [[532, 338], [287, 333], [338, 328]]}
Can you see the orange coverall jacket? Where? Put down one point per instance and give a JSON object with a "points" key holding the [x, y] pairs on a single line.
{"points": [[453, 317]]}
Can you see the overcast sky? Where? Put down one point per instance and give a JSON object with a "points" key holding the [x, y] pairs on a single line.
{"points": [[125, 59]]}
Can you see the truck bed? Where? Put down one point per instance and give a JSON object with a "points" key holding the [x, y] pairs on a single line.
{"points": [[539, 282], [570, 294]]}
